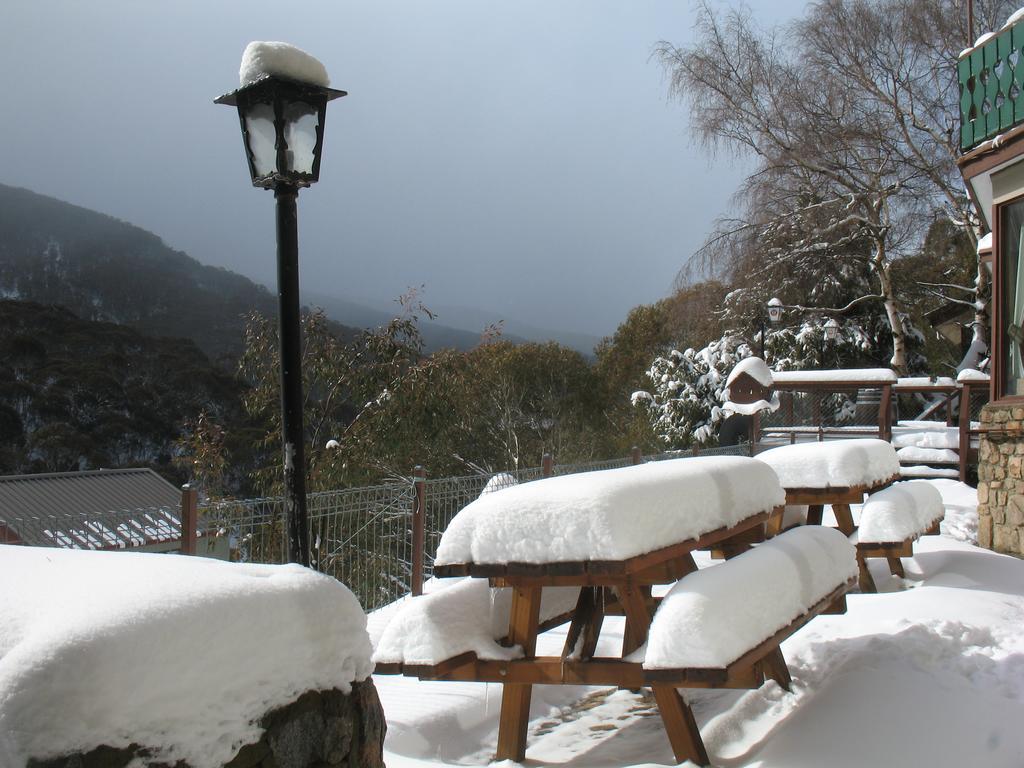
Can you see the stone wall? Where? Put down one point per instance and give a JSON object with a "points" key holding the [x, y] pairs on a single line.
{"points": [[322, 729], [1001, 479]]}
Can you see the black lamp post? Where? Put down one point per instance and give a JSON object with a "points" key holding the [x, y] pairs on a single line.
{"points": [[283, 132]]}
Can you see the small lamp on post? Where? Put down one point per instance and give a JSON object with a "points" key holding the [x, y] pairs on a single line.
{"points": [[282, 105], [774, 307], [831, 330]]}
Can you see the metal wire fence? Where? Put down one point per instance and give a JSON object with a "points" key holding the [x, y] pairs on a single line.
{"points": [[817, 411], [364, 537]]}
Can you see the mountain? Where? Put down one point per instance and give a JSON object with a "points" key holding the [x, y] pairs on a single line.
{"points": [[472, 317], [436, 335], [458, 327], [104, 269], [78, 394]]}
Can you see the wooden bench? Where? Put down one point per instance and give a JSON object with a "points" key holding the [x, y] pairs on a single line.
{"points": [[763, 574], [838, 473], [891, 521]]}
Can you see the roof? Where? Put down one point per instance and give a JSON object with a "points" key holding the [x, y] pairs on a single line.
{"points": [[101, 509]]}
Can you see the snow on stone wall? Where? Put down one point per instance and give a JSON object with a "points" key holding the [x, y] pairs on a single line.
{"points": [[178, 655]]}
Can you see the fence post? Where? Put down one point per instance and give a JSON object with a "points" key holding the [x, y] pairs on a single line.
{"points": [[885, 414], [547, 465], [418, 528], [964, 443], [189, 519], [636, 455]]}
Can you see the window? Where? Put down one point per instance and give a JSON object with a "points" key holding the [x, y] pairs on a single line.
{"points": [[1011, 230]]}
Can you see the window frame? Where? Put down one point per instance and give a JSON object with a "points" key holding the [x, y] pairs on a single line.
{"points": [[997, 340]]}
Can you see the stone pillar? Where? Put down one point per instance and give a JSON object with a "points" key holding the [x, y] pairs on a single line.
{"points": [[1001, 479]]}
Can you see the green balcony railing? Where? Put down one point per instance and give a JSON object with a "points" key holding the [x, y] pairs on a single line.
{"points": [[991, 80]]}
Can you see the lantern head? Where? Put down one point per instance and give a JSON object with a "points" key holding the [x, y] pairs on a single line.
{"points": [[282, 129]]}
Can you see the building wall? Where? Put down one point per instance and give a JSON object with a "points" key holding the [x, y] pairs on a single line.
{"points": [[1001, 479]]}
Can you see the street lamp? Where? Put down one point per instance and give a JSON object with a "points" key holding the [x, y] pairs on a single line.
{"points": [[774, 307], [282, 105], [830, 331]]}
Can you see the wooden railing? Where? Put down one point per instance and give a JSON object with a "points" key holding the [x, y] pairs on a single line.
{"points": [[990, 78], [865, 402]]}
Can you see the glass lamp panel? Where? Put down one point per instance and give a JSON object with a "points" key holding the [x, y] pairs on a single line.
{"points": [[259, 124], [300, 124]]}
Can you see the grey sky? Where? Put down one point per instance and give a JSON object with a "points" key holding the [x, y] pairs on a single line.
{"points": [[521, 157]]}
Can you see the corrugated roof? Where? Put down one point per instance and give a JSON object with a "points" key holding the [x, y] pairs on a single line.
{"points": [[102, 509]]}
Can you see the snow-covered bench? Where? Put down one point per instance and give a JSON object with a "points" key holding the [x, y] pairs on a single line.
{"points": [[839, 472], [723, 626], [891, 521], [459, 620], [607, 537]]}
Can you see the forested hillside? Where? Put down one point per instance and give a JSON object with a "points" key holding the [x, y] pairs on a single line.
{"points": [[77, 394], [104, 269]]}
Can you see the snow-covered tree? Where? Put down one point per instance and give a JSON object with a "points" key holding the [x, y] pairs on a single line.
{"points": [[851, 115], [684, 401]]}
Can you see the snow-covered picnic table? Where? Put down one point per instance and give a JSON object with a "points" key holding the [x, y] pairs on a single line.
{"points": [[577, 548], [835, 472]]}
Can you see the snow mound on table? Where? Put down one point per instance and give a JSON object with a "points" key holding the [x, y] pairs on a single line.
{"points": [[177, 654], [923, 470], [833, 464], [612, 514], [970, 374], [272, 59], [465, 615], [903, 510], [499, 482], [713, 616], [925, 434], [913, 453], [925, 381]]}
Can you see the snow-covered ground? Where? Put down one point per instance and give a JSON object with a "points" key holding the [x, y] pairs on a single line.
{"points": [[930, 672]]}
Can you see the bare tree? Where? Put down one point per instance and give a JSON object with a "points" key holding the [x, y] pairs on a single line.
{"points": [[852, 117]]}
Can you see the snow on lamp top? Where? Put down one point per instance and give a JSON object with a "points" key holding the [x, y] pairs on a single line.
{"points": [[613, 514], [273, 59]]}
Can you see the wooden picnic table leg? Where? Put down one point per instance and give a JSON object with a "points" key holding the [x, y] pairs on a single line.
{"points": [[775, 667], [582, 618], [592, 631], [515, 697], [683, 734], [867, 583], [680, 725], [896, 566], [814, 512], [844, 518], [636, 604]]}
